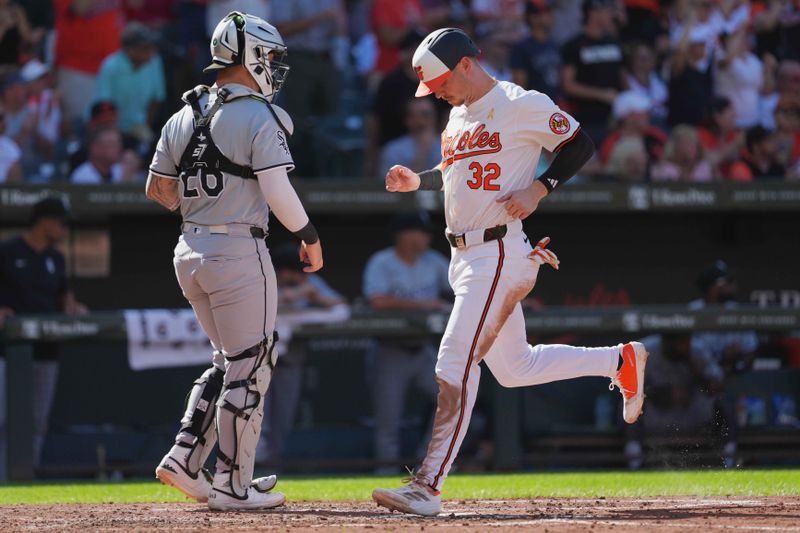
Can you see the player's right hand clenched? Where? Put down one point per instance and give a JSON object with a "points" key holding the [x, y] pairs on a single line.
{"points": [[311, 255], [401, 179]]}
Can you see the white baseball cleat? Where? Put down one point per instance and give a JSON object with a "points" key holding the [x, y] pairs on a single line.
{"points": [[630, 380], [173, 471], [414, 498], [258, 495]]}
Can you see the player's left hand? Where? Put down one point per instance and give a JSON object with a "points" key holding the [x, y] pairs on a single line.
{"points": [[520, 204]]}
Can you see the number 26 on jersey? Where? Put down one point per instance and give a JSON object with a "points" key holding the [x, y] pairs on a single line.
{"points": [[483, 177], [211, 182]]}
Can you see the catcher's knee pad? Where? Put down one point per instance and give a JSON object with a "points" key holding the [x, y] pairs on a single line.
{"points": [[240, 410], [198, 432]]}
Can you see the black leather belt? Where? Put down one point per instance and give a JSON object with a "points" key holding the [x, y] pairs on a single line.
{"points": [[258, 233], [457, 240]]}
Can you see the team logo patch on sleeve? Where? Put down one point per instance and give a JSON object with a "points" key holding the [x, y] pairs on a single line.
{"points": [[559, 124], [282, 141]]}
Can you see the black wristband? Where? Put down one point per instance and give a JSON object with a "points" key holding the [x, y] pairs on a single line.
{"points": [[431, 180], [307, 234], [549, 184]]}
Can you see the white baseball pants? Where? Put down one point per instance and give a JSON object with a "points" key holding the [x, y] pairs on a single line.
{"points": [[487, 323]]}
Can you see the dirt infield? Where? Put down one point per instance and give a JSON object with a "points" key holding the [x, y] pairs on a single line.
{"points": [[552, 515]]}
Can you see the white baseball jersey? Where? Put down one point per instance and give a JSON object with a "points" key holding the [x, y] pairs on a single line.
{"points": [[489, 149], [492, 147]]}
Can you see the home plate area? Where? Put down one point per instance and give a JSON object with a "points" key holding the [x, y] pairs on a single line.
{"points": [[552, 515]]}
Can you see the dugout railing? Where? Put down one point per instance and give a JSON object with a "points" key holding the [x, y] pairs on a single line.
{"points": [[633, 322]]}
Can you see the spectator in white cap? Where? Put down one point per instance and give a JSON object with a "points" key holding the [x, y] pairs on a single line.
{"points": [[632, 120], [44, 106]]}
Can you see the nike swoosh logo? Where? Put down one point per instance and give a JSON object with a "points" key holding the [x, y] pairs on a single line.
{"points": [[525, 239]]}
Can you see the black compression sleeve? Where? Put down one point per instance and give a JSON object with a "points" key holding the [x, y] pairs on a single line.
{"points": [[568, 161], [431, 180], [307, 234]]}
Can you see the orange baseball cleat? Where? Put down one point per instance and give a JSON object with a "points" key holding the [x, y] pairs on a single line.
{"points": [[630, 380]]}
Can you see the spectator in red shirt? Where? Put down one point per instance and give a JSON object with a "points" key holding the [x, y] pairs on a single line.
{"points": [[721, 139], [155, 14], [391, 20], [630, 112], [87, 31]]}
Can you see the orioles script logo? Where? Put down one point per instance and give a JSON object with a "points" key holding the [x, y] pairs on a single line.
{"points": [[469, 144]]}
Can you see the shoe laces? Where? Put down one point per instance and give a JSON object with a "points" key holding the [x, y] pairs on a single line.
{"points": [[616, 383], [411, 477]]}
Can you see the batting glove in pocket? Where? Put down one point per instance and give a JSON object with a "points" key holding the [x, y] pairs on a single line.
{"points": [[542, 255]]}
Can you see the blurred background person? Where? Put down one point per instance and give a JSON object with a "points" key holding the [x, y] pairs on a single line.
{"points": [[627, 161], [315, 33], [787, 132], [722, 141], [591, 71], [107, 161], [495, 56], [722, 354], [759, 160], [741, 77], [10, 156], [680, 396], [20, 121], [632, 120], [641, 77], [536, 60], [690, 85], [33, 279], [217, 9], [133, 79], [787, 82], [103, 115], [44, 106], [391, 20], [407, 276], [385, 119], [683, 158], [506, 16], [86, 33], [16, 35], [420, 148], [302, 298]]}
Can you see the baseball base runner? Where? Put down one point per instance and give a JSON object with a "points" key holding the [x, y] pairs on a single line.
{"points": [[490, 151]]}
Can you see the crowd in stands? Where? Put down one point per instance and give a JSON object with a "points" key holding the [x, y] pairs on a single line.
{"points": [[681, 90]]}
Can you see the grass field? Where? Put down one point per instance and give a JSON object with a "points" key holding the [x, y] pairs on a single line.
{"points": [[490, 486]]}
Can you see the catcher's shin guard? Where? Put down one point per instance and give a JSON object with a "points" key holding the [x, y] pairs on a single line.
{"points": [[198, 432], [240, 410]]}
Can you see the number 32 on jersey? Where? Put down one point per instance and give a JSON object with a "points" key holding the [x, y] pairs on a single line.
{"points": [[484, 176]]}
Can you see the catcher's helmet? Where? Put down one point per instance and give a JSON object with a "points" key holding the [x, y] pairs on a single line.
{"points": [[438, 55], [242, 39]]}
